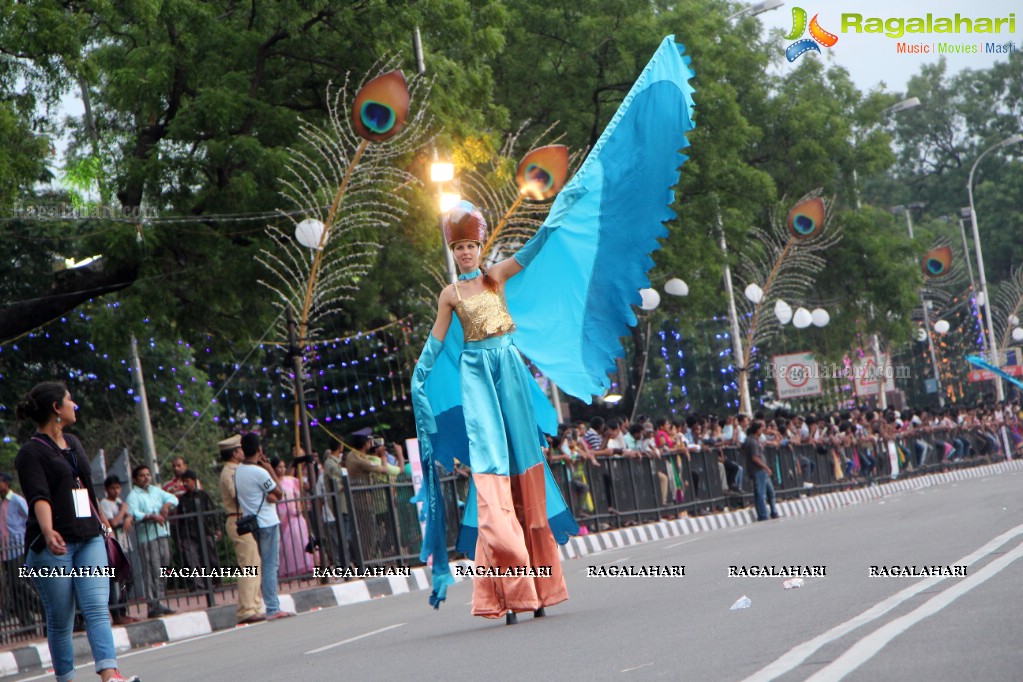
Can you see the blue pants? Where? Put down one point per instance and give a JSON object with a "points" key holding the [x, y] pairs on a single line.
{"points": [[58, 597], [763, 493], [269, 541]]}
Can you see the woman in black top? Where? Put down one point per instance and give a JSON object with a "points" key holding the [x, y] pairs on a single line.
{"points": [[66, 554]]}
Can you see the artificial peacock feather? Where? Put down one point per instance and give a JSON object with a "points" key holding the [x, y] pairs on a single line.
{"points": [[345, 180], [792, 256], [944, 282], [937, 263], [515, 199], [1008, 308]]}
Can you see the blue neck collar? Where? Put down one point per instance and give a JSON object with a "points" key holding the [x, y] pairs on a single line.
{"points": [[470, 275]]}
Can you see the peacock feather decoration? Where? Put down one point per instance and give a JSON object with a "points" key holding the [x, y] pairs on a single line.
{"points": [[944, 275], [515, 198], [785, 270], [345, 180], [1008, 310]]}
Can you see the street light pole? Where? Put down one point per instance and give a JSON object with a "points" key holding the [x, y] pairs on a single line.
{"points": [[882, 397], [908, 210], [442, 172], [930, 347], [733, 318], [992, 341]]}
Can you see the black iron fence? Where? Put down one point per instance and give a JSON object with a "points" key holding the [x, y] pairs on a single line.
{"points": [[370, 521]]}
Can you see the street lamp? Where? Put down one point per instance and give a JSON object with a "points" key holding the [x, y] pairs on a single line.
{"points": [[908, 103], [992, 342], [757, 8], [733, 320], [882, 398], [733, 316], [908, 212], [442, 172]]}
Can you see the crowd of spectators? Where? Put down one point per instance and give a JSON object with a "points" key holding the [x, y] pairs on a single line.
{"points": [[851, 440], [181, 514]]}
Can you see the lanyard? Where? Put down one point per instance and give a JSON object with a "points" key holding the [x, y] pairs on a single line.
{"points": [[72, 463]]}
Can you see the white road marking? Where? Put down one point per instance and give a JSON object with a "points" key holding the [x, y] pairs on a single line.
{"points": [[624, 558], [868, 646], [159, 646], [629, 670], [684, 542], [795, 656], [352, 639]]}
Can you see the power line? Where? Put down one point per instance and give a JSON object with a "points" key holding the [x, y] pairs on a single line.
{"points": [[72, 214]]}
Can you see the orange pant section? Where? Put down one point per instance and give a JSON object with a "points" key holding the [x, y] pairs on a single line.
{"points": [[513, 533]]}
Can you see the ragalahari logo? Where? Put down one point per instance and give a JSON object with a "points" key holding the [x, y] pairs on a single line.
{"points": [[818, 35]]}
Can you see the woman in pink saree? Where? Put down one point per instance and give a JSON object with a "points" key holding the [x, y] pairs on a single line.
{"points": [[294, 530]]}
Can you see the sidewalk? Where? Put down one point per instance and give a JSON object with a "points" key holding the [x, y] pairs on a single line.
{"points": [[35, 657]]}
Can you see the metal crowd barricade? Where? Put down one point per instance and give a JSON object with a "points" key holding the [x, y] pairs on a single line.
{"points": [[382, 526], [21, 611]]}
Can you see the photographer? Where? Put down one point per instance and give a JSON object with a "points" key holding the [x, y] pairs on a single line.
{"points": [[258, 491]]}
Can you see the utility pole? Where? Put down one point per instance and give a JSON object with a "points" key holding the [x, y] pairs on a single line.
{"points": [[295, 354], [142, 407]]}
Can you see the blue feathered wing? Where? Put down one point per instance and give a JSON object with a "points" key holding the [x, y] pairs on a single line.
{"points": [[573, 302], [984, 364]]}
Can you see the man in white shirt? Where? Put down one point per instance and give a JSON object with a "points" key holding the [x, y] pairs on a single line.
{"points": [[249, 605], [121, 520], [258, 492]]}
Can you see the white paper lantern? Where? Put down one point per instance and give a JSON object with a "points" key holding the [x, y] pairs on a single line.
{"points": [[783, 311], [941, 326], [802, 319], [651, 299], [1017, 334], [1013, 320], [676, 287], [921, 334], [754, 293], [981, 298], [820, 317], [308, 233]]}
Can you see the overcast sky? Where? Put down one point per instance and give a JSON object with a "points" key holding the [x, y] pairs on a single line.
{"points": [[872, 58]]}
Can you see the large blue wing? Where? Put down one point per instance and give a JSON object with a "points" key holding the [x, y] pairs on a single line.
{"points": [[574, 300], [984, 364]]}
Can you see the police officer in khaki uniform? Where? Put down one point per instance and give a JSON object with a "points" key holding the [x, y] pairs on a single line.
{"points": [[250, 605]]}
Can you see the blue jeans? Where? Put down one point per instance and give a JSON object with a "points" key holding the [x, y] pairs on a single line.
{"points": [[58, 597], [763, 493], [269, 541]]}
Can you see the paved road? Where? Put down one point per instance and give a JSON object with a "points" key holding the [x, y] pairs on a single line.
{"points": [[844, 625]]}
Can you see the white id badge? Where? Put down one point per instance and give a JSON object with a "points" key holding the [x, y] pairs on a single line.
{"points": [[81, 499]]}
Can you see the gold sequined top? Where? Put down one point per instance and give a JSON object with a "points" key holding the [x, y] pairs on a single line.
{"points": [[484, 315]]}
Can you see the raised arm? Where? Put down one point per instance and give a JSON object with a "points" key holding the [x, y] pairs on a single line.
{"points": [[445, 308], [505, 270]]}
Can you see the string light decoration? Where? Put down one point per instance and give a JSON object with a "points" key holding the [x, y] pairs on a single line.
{"points": [[356, 378], [350, 379], [792, 256], [674, 368]]}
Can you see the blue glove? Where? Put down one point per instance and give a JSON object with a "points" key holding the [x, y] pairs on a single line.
{"points": [[528, 252], [425, 422]]}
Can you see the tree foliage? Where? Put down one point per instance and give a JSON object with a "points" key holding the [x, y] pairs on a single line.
{"points": [[190, 107]]}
